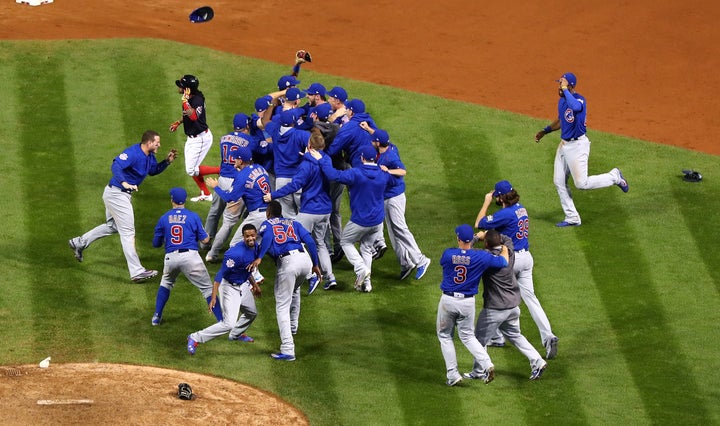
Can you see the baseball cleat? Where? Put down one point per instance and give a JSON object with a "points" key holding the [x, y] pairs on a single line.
{"points": [[337, 256], [551, 346], [242, 338], [404, 273], [623, 183], [454, 381], [473, 375], [191, 345], [211, 259], [279, 356], [564, 224], [156, 319], [379, 252], [360, 279], [145, 275], [498, 343], [329, 285], [76, 247], [202, 197], [367, 288], [489, 375], [422, 269], [313, 283], [537, 372]]}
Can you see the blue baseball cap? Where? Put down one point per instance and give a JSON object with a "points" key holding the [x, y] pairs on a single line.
{"points": [[502, 188], [368, 152], [570, 77], [293, 94], [178, 195], [241, 121], [338, 93], [356, 105], [287, 81], [287, 118], [382, 137], [322, 111], [262, 104], [243, 153], [316, 89], [465, 233]]}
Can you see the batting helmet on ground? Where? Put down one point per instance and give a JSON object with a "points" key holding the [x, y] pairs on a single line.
{"points": [[201, 14]]}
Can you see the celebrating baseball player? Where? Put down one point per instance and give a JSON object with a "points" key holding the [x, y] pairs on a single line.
{"points": [[315, 207], [573, 151], [180, 230], [229, 144], [199, 137], [235, 288], [367, 185], [512, 220], [500, 312], [462, 268], [403, 241], [283, 239], [129, 169]]}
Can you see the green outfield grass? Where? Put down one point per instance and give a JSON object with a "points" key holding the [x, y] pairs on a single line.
{"points": [[633, 294]]}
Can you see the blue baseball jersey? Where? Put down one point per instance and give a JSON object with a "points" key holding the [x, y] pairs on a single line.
{"points": [[511, 221], [179, 229], [263, 155], [314, 198], [572, 113], [281, 235], [235, 262], [351, 137], [133, 166], [462, 269], [366, 186], [287, 151], [250, 184], [230, 143], [391, 159]]}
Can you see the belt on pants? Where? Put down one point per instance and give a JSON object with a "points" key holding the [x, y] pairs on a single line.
{"points": [[573, 139], [458, 295], [127, 191], [521, 251], [236, 284], [194, 136], [291, 252], [180, 251], [261, 210]]}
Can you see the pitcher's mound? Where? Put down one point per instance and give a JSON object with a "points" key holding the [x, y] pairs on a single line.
{"points": [[131, 394]]}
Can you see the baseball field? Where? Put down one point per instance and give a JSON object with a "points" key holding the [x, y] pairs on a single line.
{"points": [[632, 293]]}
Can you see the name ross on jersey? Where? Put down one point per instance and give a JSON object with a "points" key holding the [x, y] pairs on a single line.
{"points": [[460, 260], [520, 213], [177, 218]]}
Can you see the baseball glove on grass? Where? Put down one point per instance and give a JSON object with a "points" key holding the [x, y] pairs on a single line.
{"points": [[691, 176]]}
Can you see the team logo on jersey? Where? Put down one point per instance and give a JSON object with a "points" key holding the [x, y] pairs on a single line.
{"points": [[230, 263], [123, 156], [569, 116]]}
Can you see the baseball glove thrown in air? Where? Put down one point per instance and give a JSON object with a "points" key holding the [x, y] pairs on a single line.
{"points": [[303, 56]]}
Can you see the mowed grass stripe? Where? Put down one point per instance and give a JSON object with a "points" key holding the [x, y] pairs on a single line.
{"points": [[638, 318], [46, 127], [15, 314]]}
